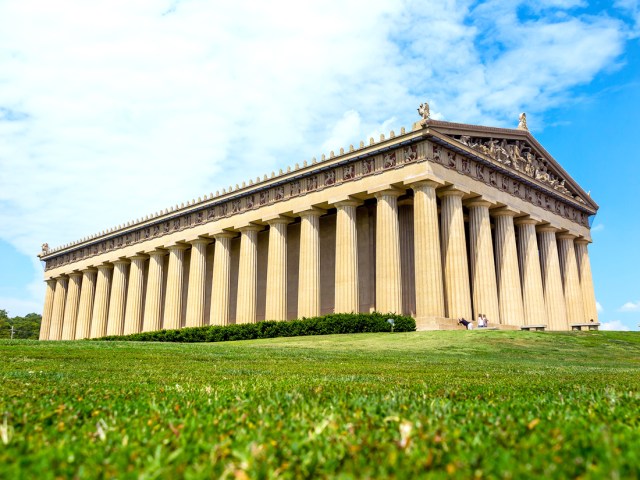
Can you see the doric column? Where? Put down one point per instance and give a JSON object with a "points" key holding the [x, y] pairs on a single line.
{"points": [[153, 301], [133, 311], [507, 271], [47, 311], [276, 301], [586, 280], [388, 281], [454, 255], [346, 275], [571, 280], [483, 267], [57, 317], [407, 257], [101, 302], [175, 284], [309, 270], [532, 293], [552, 279], [117, 300], [87, 293], [196, 293], [71, 306], [220, 287], [428, 259], [248, 275]]}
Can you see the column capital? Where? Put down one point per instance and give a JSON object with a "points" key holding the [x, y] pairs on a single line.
{"points": [[277, 220], [121, 261], [387, 192], [452, 191], [547, 228], [417, 185], [222, 235], [526, 221], [75, 274], [177, 247], [251, 228], [52, 280], [310, 212], [351, 202], [139, 256], [200, 241], [105, 267], [583, 241], [504, 212], [567, 236], [478, 202], [89, 269], [158, 252]]}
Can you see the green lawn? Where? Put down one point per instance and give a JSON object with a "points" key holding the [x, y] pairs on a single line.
{"points": [[492, 404]]}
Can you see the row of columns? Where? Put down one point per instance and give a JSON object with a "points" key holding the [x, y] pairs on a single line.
{"points": [[544, 279]]}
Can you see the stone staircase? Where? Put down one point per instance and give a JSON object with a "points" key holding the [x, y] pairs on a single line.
{"points": [[443, 323]]}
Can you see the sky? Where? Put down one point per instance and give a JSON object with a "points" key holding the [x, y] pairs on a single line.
{"points": [[111, 111]]}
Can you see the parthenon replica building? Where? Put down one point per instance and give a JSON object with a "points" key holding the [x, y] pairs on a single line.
{"points": [[442, 222]]}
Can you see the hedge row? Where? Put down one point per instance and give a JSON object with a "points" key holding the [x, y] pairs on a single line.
{"points": [[326, 325]]}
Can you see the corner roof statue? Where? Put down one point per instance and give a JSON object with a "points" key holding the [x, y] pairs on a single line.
{"points": [[453, 173]]}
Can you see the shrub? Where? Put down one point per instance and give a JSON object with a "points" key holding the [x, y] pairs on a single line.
{"points": [[325, 325]]}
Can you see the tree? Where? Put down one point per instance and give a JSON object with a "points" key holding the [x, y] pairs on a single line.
{"points": [[23, 327]]}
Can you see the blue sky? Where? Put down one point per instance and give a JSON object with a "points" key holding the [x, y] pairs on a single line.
{"points": [[100, 102]]}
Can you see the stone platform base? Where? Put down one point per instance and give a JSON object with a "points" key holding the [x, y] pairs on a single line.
{"points": [[443, 323]]}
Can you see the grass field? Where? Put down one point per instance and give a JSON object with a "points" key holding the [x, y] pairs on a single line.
{"points": [[427, 404]]}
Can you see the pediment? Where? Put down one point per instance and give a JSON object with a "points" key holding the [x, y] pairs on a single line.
{"points": [[518, 151]]}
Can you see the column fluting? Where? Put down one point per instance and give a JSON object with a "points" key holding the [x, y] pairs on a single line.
{"points": [[428, 258], [71, 306], [552, 279], [47, 311], [118, 298], [586, 280], [57, 317], [248, 275], [101, 302], [276, 296], [407, 257], [483, 267], [529, 258], [454, 255], [135, 292], [87, 293], [571, 280], [388, 281], [347, 295], [153, 301], [220, 286], [507, 270], [175, 286], [309, 268], [196, 292]]}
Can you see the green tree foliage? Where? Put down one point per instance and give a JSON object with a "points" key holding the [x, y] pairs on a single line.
{"points": [[23, 327]]}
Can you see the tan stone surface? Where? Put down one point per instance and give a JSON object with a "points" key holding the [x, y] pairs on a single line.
{"points": [[507, 271], [220, 297], [101, 302], [552, 279], [309, 266], [572, 290], [71, 306], [57, 316], [175, 284], [85, 310], [388, 282], [529, 258], [135, 295], [428, 260], [586, 281], [454, 255], [118, 298], [483, 266], [347, 296], [154, 301], [407, 257], [47, 311], [276, 285], [247, 275], [195, 315]]}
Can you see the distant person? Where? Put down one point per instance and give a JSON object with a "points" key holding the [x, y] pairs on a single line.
{"points": [[480, 321], [466, 323], [485, 321]]}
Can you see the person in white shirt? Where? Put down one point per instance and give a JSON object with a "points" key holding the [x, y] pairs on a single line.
{"points": [[481, 323]]}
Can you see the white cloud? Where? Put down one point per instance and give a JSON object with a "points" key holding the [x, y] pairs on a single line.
{"points": [[614, 325], [630, 307], [599, 308], [598, 228], [112, 111]]}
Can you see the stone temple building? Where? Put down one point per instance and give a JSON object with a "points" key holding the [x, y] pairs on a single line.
{"points": [[441, 222]]}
